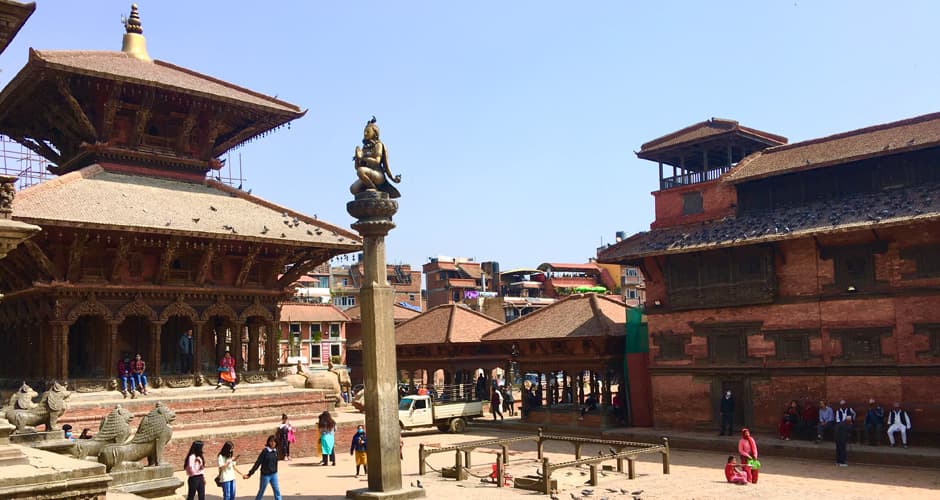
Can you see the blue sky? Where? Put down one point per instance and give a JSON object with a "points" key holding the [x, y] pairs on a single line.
{"points": [[513, 124]]}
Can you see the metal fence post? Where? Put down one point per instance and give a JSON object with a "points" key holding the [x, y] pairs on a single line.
{"points": [[665, 455]]}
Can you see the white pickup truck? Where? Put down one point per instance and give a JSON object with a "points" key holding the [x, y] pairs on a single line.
{"points": [[422, 411]]}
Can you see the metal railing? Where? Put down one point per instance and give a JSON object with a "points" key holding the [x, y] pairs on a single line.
{"points": [[620, 451], [692, 178]]}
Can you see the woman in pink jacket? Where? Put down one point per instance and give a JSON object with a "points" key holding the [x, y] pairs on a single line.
{"points": [[747, 448]]}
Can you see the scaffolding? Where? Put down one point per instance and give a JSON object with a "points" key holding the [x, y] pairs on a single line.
{"points": [[30, 168]]}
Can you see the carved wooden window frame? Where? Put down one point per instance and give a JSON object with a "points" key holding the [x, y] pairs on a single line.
{"points": [[926, 261], [849, 337], [783, 338], [719, 333], [932, 332], [672, 346], [692, 203]]}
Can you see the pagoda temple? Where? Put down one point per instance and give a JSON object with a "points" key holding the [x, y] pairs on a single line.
{"points": [[138, 243]]}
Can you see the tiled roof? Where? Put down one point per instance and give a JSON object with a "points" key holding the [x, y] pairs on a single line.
{"points": [[561, 267], [448, 323], [587, 315], [114, 64], [94, 197], [572, 282], [472, 270], [704, 130], [14, 15], [863, 211], [880, 140], [299, 312], [399, 313]]}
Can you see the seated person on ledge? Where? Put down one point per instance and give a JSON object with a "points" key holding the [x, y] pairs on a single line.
{"points": [[590, 404]]}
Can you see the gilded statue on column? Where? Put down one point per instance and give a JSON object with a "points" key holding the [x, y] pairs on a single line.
{"points": [[371, 163]]}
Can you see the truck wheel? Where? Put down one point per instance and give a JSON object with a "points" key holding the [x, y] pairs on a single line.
{"points": [[458, 425]]}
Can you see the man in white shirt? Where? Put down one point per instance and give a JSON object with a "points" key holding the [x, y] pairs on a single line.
{"points": [[898, 421]]}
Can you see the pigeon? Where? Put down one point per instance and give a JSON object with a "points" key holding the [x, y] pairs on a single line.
{"points": [[573, 497], [612, 451], [213, 208], [265, 230], [636, 493], [283, 235], [553, 496], [239, 186], [612, 490], [310, 232], [419, 484], [412, 484], [249, 191], [196, 219], [587, 492], [167, 224]]}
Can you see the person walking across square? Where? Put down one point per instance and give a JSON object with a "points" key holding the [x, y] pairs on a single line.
{"points": [[358, 449], [267, 462]]}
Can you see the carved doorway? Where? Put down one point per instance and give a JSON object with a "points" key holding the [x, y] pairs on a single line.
{"points": [[134, 337], [740, 388], [170, 354], [87, 340]]}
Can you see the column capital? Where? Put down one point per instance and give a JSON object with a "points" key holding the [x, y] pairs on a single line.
{"points": [[373, 211]]}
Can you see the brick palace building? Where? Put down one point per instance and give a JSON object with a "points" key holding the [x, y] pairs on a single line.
{"points": [[137, 243], [792, 271]]}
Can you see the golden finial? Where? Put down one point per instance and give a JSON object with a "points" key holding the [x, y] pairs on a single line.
{"points": [[132, 24], [135, 45]]}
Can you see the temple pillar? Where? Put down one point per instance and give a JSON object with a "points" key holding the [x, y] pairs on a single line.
{"points": [[197, 346], [237, 330], [373, 211], [110, 368], [253, 333], [154, 365], [58, 369]]}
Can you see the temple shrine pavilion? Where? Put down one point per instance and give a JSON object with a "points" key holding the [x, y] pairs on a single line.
{"points": [[139, 244]]}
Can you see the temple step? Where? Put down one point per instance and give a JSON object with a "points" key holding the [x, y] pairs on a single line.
{"points": [[203, 406]]}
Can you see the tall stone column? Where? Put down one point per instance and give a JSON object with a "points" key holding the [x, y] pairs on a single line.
{"points": [[198, 336], [252, 344], [373, 211], [237, 330], [153, 366]]}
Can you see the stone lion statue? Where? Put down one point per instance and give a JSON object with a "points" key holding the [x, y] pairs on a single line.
{"points": [[26, 415], [114, 429], [153, 433]]}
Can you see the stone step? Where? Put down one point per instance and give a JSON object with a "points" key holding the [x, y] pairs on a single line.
{"points": [[11, 455], [201, 406]]}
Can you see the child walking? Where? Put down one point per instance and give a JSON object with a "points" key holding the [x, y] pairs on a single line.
{"points": [[358, 448], [285, 436]]}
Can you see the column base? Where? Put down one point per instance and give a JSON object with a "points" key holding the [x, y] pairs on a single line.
{"points": [[402, 494]]}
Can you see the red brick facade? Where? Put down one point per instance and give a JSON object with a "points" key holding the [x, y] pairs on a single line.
{"points": [[818, 284]]}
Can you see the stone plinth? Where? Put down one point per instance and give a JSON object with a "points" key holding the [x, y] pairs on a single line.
{"points": [[150, 482], [373, 211], [45, 476]]}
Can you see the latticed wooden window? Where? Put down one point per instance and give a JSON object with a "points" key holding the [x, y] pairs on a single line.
{"points": [[727, 348], [793, 347], [862, 344], [671, 347], [692, 203]]}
